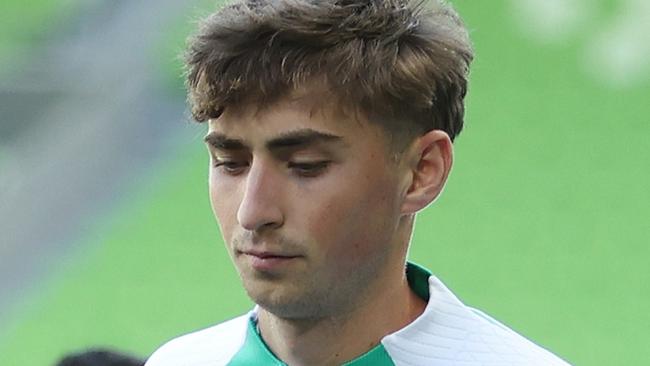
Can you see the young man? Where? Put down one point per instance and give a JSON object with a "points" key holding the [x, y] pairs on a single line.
{"points": [[330, 125]]}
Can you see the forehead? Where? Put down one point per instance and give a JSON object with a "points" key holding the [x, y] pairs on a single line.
{"points": [[298, 110]]}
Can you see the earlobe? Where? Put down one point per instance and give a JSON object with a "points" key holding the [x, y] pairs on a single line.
{"points": [[431, 157]]}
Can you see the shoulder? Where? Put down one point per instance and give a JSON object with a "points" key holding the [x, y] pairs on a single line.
{"points": [[212, 346], [505, 344], [448, 332]]}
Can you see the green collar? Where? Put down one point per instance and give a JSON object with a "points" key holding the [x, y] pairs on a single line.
{"points": [[418, 279], [255, 351]]}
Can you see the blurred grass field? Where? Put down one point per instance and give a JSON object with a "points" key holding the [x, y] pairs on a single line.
{"points": [[23, 22], [543, 224]]}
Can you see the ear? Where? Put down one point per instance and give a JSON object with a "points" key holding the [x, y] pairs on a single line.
{"points": [[430, 159]]}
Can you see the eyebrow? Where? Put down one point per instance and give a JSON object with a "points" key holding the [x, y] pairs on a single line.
{"points": [[291, 139], [221, 141]]}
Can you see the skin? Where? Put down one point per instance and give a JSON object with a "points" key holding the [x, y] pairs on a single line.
{"points": [[317, 218]]}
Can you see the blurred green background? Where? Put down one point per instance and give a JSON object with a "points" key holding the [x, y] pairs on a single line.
{"points": [[544, 223]]}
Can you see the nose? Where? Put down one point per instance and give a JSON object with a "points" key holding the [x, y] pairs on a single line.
{"points": [[259, 208]]}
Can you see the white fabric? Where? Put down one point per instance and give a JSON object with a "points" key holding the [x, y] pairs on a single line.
{"points": [[214, 346], [449, 333]]}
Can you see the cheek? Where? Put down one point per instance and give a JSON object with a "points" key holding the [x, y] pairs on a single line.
{"points": [[224, 204], [351, 224]]}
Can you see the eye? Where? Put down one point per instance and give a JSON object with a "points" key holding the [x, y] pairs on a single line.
{"points": [[310, 169], [231, 167]]}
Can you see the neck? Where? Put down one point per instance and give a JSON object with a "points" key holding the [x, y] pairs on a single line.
{"points": [[390, 306]]}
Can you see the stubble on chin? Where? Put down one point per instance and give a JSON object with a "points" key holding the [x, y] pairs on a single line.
{"points": [[296, 296]]}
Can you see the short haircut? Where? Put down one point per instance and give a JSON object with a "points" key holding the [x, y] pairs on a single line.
{"points": [[403, 64]]}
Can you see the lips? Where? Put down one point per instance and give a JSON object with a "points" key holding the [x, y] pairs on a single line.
{"points": [[266, 254], [267, 261]]}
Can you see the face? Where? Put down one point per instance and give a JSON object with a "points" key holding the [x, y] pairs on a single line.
{"points": [[308, 204]]}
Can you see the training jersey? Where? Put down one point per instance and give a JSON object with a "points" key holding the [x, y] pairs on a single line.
{"points": [[446, 333]]}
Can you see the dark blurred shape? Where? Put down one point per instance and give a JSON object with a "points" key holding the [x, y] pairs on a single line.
{"points": [[100, 357]]}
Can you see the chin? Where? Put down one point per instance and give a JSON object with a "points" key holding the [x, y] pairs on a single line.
{"points": [[284, 303], [290, 311]]}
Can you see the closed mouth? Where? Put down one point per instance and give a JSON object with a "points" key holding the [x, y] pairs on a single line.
{"points": [[267, 255]]}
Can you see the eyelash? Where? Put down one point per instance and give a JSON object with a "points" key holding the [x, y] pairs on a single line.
{"points": [[309, 169], [230, 167], [306, 170]]}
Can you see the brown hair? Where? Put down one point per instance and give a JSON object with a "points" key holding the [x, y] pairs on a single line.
{"points": [[402, 63]]}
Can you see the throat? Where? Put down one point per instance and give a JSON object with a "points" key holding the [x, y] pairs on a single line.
{"points": [[334, 341]]}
